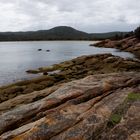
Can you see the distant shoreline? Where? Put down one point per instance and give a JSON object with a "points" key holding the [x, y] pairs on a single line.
{"points": [[44, 40], [59, 33]]}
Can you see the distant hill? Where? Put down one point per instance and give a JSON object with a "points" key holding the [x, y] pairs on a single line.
{"points": [[57, 33]]}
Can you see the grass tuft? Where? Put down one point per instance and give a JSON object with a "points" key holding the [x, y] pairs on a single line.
{"points": [[114, 119], [133, 96]]}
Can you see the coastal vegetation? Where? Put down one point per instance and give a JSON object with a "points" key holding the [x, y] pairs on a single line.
{"points": [[137, 32]]}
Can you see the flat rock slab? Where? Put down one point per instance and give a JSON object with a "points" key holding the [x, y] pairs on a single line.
{"points": [[78, 110]]}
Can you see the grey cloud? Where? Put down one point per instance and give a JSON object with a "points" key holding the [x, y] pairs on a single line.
{"points": [[87, 15]]}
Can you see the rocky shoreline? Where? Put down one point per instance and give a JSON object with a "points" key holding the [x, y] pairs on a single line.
{"points": [[68, 71], [89, 97], [130, 44]]}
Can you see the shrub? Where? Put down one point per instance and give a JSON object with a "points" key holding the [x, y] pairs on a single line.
{"points": [[137, 32]]}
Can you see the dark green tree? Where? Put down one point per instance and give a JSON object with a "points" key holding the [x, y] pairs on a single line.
{"points": [[137, 32]]}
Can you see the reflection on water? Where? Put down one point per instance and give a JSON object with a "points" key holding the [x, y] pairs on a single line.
{"points": [[17, 57]]}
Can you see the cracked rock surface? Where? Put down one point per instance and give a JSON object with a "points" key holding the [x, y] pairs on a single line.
{"points": [[102, 106]]}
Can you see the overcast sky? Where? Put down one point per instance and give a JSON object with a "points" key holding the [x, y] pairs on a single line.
{"points": [[86, 15]]}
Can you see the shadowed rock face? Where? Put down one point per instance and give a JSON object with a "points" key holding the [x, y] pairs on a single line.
{"points": [[79, 110]]}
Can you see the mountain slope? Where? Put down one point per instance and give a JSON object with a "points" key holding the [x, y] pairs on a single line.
{"points": [[56, 33]]}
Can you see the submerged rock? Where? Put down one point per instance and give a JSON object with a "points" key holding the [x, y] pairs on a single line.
{"points": [[33, 71]]}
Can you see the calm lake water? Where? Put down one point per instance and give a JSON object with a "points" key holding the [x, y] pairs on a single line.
{"points": [[17, 57]]}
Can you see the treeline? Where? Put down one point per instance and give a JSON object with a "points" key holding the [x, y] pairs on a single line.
{"points": [[137, 32], [111, 35], [59, 33]]}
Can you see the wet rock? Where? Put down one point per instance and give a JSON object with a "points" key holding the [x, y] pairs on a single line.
{"points": [[45, 73], [33, 71], [24, 87], [10, 92], [49, 68], [66, 64]]}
